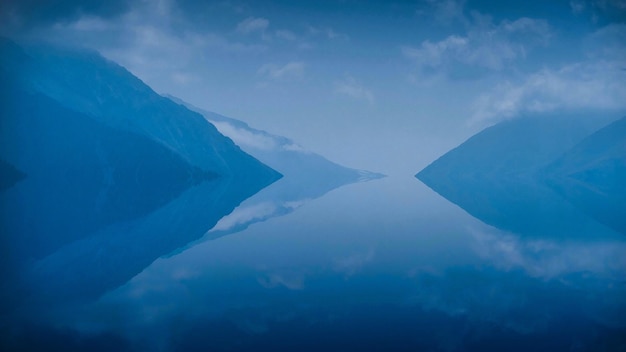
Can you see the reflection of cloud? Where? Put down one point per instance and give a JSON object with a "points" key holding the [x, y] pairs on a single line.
{"points": [[243, 215], [495, 298], [353, 263], [292, 281], [248, 214], [548, 259]]}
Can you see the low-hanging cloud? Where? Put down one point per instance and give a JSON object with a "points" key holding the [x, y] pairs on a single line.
{"points": [[246, 138]]}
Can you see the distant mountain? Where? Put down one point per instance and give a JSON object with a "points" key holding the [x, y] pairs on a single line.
{"points": [[497, 175], [306, 175], [592, 175], [299, 165]]}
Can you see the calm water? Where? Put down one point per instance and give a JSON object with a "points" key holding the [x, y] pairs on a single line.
{"points": [[380, 265]]}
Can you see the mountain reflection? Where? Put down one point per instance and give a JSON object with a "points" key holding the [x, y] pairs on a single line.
{"points": [[280, 198], [506, 177]]}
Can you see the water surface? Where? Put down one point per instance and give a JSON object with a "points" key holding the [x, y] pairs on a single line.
{"points": [[380, 265]]}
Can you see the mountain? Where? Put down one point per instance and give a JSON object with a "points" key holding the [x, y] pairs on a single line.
{"points": [[86, 82], [101, 175], [592, 175], [9, 175], [82, 175], [86, 268], [300, 166], [306, 175], [497, 175]]}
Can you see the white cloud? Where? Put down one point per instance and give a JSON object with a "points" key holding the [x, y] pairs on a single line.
{"points": [[485, 45], [446, 11], [277, 72], [588, 85], [598, 82], [291, 281], [245, 138], [607, 43], [143, 41], [252, 24], [351, 264], [549, 260], [327, 32], [246, 214], [350, 87], [577, 6], [293, 147], [285, 35]]}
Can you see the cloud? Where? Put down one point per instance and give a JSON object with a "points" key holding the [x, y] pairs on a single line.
{"points": [[607, 43], [291, 281], [252, 24], [598, 82], [246, 138], [606, 11], [245, 214], [550, 260], [285, 35], [446, 11], [43, 12], [353, 263], [151, 39], [485, 45], [276, 72], [350, 87], [587, 85], [327, 32], [577, 6]]}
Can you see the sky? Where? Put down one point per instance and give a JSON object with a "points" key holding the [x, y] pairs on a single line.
{"points": [[387, 86]]}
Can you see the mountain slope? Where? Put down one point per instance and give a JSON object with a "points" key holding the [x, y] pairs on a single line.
{"points": [[81, 174], [496, 175], [88, 83], [9, 175], [592, 175], [100, 171], [304, 170], [307, 175]]}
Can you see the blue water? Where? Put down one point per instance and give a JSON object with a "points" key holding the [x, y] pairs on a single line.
{"points": [[381, 265]]}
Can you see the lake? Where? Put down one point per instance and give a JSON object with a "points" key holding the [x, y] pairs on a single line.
{"points": [[386, 264]]}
